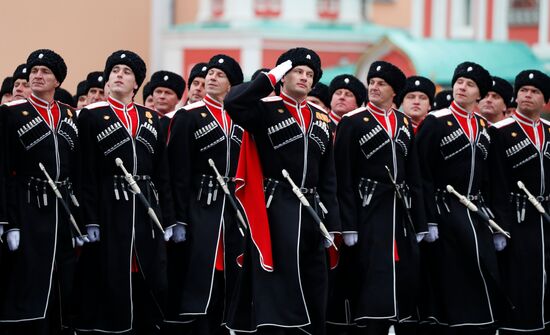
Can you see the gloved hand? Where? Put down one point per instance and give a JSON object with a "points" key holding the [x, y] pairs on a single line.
{"points": [[13, 239], [179, 233], [168, 232], [432, 235], [78, 241], [328, 243], [93, 233], [420, 237], [280, 70], [499, 240], [350, 239]]}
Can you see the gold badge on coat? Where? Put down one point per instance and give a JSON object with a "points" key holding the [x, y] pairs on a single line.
{"points": [[321, 116], [69, 113], [25, 113], [106, 117], [148, 115], [514, 134], [406, 121], [150, 121], [482, 122], [203, 114], [449, 123], [366, 119], [280, 110]]}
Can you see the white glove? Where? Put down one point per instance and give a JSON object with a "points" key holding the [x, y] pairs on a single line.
{"points": [[350, 239], [13, 239], [179, 233], [168, 232], [420, 237], [328, 243], [93, 233], [78, 241], [280, 70], [499, 240], [432, 235]]}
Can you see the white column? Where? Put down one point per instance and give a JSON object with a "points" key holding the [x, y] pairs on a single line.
{"points": [[205, 10], [417, 18], [238, 10], [300, 11], [543, 23], [500, 20], [251, 57], [350, 11], [160, 20], [439, 18], [480, 16]]}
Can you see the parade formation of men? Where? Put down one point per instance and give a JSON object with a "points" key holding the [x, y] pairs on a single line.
{"points": [[277, 205]]}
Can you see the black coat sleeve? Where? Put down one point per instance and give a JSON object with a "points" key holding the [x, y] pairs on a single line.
{"points": [[89, 159], [327, 189], [427, 143], [180, 159], [243, 102], [413, 178], [345, 150], [161, 177], [499, 181]]}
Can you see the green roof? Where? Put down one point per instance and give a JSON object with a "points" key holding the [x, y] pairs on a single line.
{"points": [[437, 58]]}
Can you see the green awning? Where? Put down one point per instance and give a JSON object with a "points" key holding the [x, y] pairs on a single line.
{"points": [[437, 58]]}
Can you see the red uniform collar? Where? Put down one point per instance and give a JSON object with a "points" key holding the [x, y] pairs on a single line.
{"points": [[458, 110], [213, 103], [289, 101], [526, 120], [299, 110], [377, 110], [334, 117], [33, 99], [119, 105]]}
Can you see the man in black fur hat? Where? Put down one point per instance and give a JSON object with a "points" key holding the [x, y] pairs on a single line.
{"points": [[346, 93], [21, 88], [453, 146], [39, 265], [120, 282], [375, 147], [6, 90], [195, 89], [521, 145], [80, 97], [95, 84], [417, 98], [284, 283], [494, 107], [167, 89], [201, 131], [319, 95], [442, 99]]}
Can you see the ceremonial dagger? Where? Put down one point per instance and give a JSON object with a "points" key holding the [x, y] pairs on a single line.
{"points": [[472, 207], [243, 226], [308, 207], [534, 201], [403, 201], [61, 200], [137, 191]]}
